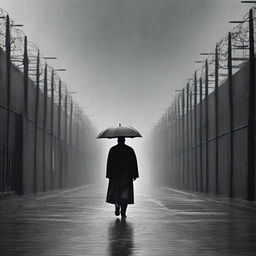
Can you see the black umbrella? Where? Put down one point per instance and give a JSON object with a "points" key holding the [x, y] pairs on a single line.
{"points": [[120, 131]]}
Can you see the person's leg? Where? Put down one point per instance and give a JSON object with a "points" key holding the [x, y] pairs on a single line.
{"points": [[117, 211], [123, 210]]}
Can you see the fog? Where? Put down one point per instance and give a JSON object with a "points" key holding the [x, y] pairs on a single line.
{"points": [[125, 58]]}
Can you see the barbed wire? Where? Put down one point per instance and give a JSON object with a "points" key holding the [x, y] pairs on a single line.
{"points": [[17, 44], [240, 56]]}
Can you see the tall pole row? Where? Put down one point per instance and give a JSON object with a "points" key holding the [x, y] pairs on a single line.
{"points": [[186, 139]]}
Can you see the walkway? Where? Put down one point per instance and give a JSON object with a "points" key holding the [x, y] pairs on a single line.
{"points": [[163, 222]]}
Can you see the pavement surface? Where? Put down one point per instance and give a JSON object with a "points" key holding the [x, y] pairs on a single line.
{"points": [[162, 222]]}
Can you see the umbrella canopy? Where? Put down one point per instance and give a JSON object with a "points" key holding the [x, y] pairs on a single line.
{"points": [[120, 131]]}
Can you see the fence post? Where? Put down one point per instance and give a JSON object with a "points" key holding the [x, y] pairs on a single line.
{"points": [[187, 134], [65, 139], [216, 104], [176, 169], [25, 77], [59, 135], [183, 137], [8, 85], [77, 127], [78, 137], [201, 134], [36, 123], [66, 116], [175, 145], [59, 110], [231, 116], [251, 114], [206, 130], [71, 155], [180, 145], [171, 144], [167, 142], [70, 122], [195, 129], [191, 140], [44, 124], [52, 127]]}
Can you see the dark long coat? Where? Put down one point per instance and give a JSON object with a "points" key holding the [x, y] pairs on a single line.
{"points": [[122, 168]]}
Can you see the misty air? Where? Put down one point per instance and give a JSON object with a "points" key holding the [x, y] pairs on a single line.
{"points": [[127, 127]]}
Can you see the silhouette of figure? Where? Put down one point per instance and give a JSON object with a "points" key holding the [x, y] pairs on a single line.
{"points": [[122, 170]]}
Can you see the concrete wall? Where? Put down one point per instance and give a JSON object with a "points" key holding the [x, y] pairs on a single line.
{"points": [[71, 164], [178, 164]]}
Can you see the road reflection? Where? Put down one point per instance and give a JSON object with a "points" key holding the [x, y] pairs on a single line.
{"points": [[120, 235]]}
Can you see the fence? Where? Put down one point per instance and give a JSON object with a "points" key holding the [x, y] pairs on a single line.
{"points": [[206, 140], [46, 138]]}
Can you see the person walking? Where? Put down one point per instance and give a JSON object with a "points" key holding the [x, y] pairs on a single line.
{"points": [[122, 170]]}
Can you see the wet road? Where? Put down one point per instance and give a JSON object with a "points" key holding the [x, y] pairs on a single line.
{"points": [[162, 222]]}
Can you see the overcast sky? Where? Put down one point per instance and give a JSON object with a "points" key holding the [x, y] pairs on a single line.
{"points": [[125, 58]]}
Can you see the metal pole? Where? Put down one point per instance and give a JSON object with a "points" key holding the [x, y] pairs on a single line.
{"points": [[169, 155], [206, 130], [251, 114], [201, 134], [216, 94], [66, 116], [77, 127], [231, 116], [44, 125], [65, 138], [59, 135], [170, 132], [173, 144], [36, 123], [166, 141], [8, 84], [187, 134], [183, 137], [191, 140], [52, 127], [176, 167], [59, 111], [179, 146], [195, 129], [70, 135], [70, 122], [25, 105], [25, 77]]}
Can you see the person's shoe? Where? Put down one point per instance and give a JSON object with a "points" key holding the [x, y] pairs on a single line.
{"points": [[123, 215], [117, 212]]}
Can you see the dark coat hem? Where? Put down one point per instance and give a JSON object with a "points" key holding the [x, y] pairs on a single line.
{"points": [[118, 202]]}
